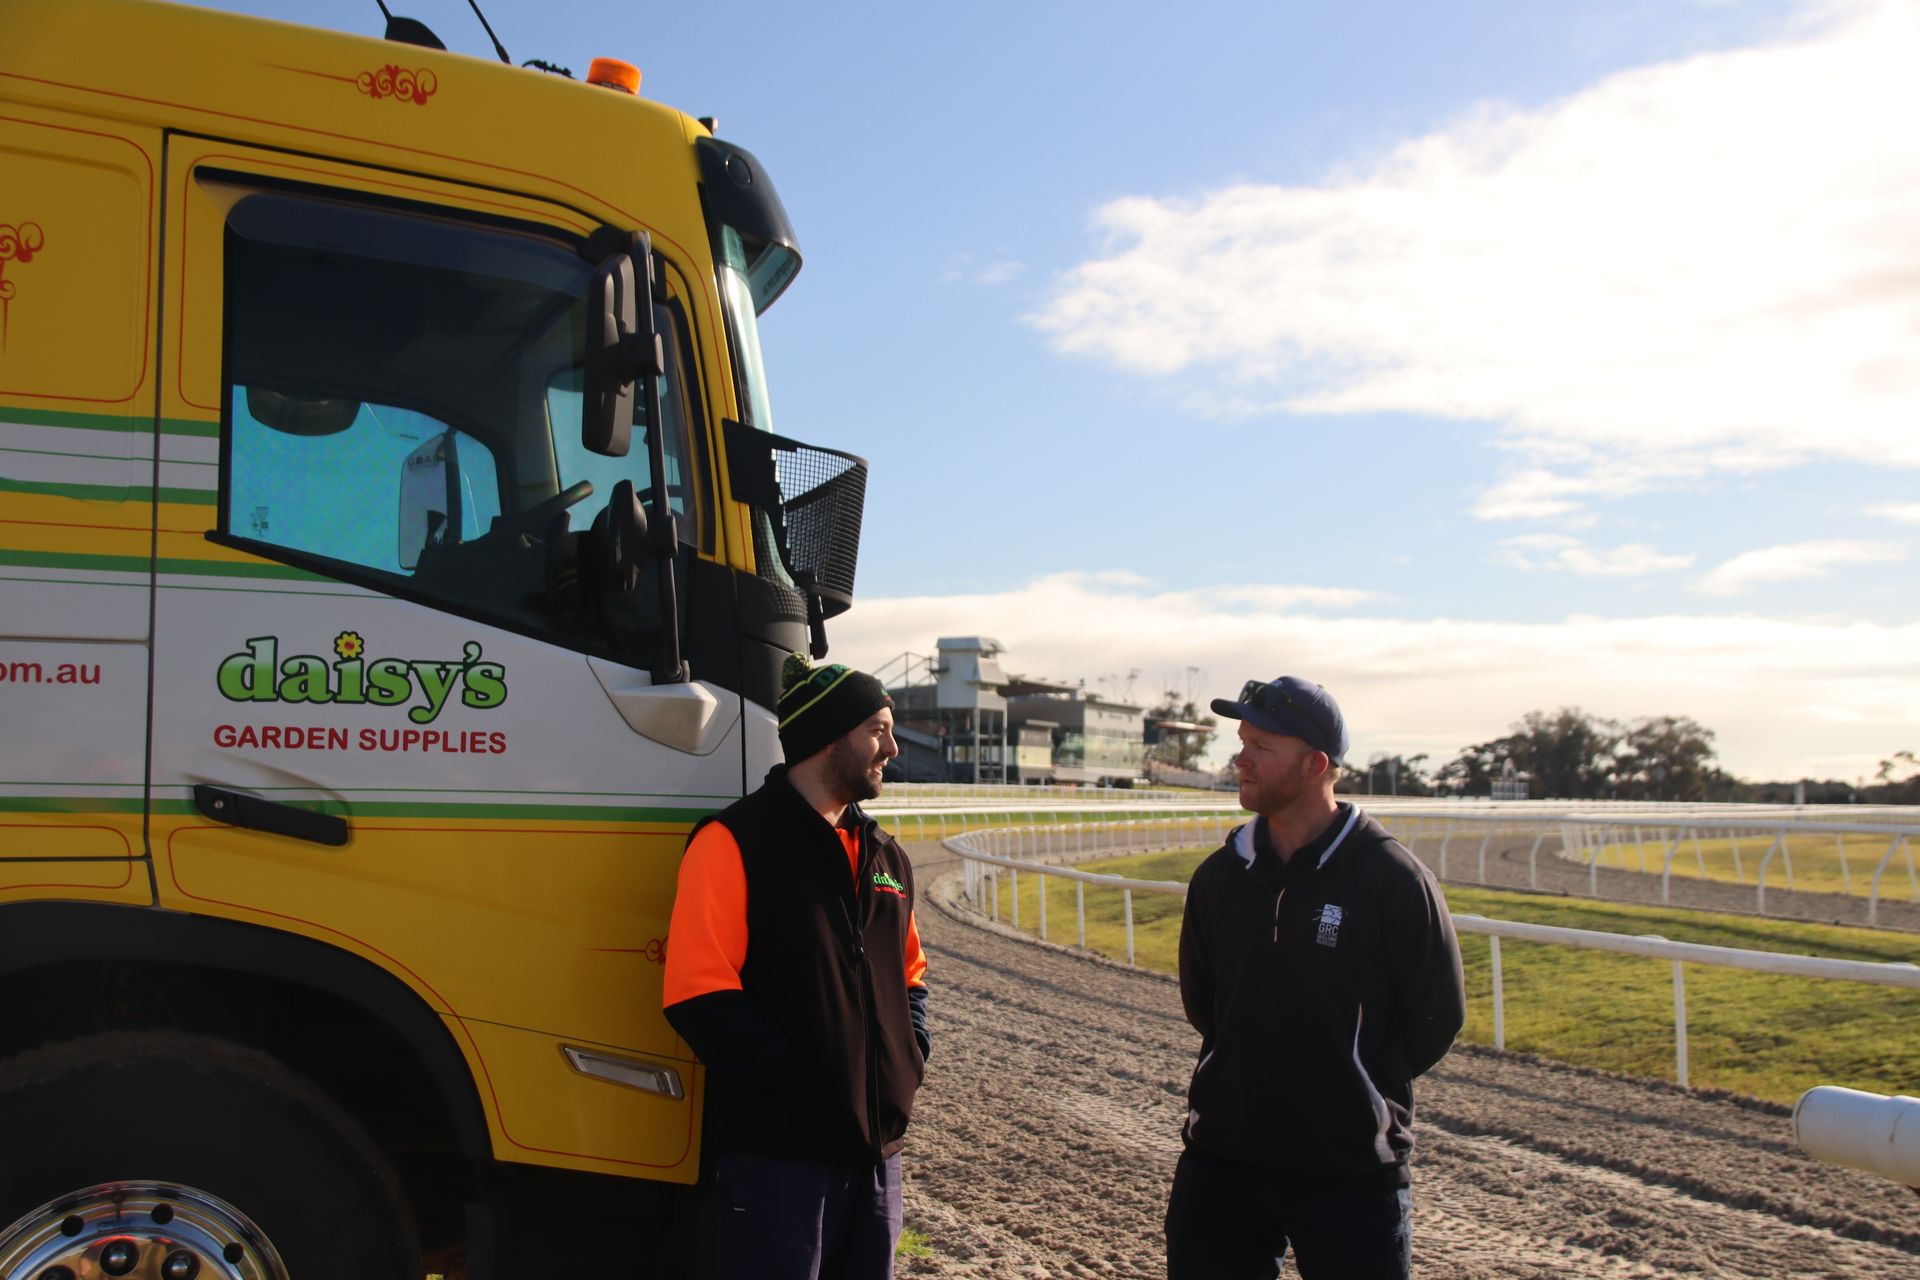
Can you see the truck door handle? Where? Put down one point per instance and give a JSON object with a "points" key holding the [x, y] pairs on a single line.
{"points": [[238, 809]]}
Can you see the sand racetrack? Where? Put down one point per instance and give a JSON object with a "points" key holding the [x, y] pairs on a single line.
{"points": [[1044, 1140]]}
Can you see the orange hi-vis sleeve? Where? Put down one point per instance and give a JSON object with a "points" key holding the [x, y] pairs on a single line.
{"points": [[707, 936], [916, 958]]}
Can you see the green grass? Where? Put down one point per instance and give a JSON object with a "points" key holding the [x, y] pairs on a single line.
{"points": [[913, 1244], [1761, 1034], [1829, 862]]}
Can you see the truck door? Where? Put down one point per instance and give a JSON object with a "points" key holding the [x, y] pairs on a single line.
{"points": [[397, 683], [79, 252]]}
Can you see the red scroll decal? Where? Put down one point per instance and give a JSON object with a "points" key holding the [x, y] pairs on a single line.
{"points": [[399, 83], [17, 244]]}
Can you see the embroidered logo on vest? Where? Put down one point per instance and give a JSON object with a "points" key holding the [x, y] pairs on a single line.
{"points": [[1329, 920], [886, 883]]}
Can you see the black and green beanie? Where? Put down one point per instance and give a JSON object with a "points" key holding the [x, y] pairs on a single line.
{"points": [[819, 704]]}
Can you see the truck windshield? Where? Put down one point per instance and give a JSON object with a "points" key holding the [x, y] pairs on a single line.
{"points": [[739, 274]]}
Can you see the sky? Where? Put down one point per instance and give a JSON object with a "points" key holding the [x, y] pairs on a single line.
{"points": [[1470, 359]]}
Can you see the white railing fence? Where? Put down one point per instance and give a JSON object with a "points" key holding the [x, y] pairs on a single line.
{"points": [[986, 853], [1653, 945], [1589, 836], [925, 823], [1761, 840], [1002, 796]]}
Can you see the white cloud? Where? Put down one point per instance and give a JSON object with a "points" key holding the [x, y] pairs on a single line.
{"points": [[1559, 552], [1792, 561], [1533, 494], [1902, 512], [1699, 266], [996, 268], [1826, 698]]}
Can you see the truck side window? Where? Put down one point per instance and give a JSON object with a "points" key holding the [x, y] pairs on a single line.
{"points": [[336, 495], [403, 411]]}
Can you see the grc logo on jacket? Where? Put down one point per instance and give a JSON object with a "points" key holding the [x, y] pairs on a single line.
{"points": [[1327, 921]]}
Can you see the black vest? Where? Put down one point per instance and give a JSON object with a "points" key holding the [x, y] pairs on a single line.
{"points": [[826, 966]]}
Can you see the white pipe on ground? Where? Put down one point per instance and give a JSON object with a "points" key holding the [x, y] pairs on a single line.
{"points": [[1861, 1130]]}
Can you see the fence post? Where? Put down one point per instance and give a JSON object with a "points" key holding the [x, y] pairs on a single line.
{"points": [[1041, 885], [1483, 854], [1080, 908], [1873, 900], [1739, 872], [1127, 897], [1499, 998], [996, 895], [1760, 875], [1016, 896], [1840, 852], [1680, 1023], [1666, 867]]}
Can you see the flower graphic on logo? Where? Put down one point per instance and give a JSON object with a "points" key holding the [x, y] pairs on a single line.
{"points": [[348, 644]]}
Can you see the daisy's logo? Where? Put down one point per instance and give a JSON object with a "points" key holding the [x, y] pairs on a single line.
{"points": [[259, 674]]}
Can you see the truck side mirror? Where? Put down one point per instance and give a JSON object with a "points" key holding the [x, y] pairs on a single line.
{"points": [[622, 346], [607, 401]]}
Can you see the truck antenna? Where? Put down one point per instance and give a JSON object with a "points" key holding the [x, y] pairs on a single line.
{"points": [[408, 30], [497, 46]]}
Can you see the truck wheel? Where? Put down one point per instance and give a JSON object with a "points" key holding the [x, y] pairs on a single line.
{"points": [[164, 1154]]}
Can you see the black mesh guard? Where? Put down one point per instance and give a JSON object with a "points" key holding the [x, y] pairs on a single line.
{"points": [[813, 499]]}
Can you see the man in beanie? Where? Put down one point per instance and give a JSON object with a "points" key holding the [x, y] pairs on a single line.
{"points": [[794, 972], [1319, 964]]}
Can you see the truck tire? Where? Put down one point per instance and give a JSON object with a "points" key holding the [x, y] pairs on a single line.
{"points": [[169, 1141]]}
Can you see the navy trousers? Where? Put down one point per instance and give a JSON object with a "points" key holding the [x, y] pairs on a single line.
{"points": [[1228, 1222], [804, 1219]]}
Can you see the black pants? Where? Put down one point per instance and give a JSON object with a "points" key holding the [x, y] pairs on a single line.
{"points": [[804, 1219], [1229, 1222]]}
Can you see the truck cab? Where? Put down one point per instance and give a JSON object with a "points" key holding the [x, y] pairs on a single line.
{"points": [[396, 560]]}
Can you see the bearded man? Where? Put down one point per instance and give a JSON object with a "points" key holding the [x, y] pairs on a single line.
{"points": [[794, 973], [1319, 965]]}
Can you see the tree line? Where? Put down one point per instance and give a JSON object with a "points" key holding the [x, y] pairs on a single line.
{"points": [[1570, 754]]}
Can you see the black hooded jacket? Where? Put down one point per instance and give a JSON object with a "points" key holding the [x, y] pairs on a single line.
{"points": [[1320, 989]]}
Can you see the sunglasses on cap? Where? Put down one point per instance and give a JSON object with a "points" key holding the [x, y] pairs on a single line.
{"points": [[1267, 695]]}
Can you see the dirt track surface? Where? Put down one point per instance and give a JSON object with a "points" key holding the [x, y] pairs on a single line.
{"points": [[1044, 1141]]}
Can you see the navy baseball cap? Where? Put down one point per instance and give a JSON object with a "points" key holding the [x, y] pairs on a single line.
{"points": [[1294, 707]]}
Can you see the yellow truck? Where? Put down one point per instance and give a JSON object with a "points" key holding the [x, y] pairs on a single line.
{"points": [[396, 560]]}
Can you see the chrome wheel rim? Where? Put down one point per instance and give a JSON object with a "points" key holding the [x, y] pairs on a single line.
{"points": [[137, 1231]]}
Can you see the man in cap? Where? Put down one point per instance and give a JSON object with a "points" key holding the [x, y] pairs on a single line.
{"points": [[1319, 965], [794, 972]]}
